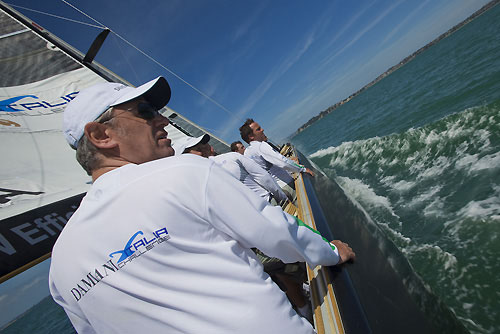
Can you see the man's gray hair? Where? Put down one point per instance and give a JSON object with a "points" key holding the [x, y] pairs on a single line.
{"points": [[87, 154]]}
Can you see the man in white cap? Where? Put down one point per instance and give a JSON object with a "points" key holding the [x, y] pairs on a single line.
{"points": [[290, 276], [162, 243], [266, 157], [240, 167], [194, 145]]}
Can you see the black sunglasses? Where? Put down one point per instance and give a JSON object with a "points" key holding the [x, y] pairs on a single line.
{"points": [[147, 111], [144, 110]]}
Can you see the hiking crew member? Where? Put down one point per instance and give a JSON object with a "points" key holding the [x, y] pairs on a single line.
{"points": [[266, 157], [163, 244]]}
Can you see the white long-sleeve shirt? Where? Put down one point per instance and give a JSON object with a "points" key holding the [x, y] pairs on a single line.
{"points": [[275, 163], [165, 247], [250, 174]]}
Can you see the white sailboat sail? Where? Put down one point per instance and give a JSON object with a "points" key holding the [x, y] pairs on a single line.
{"points": [[41, 184]]}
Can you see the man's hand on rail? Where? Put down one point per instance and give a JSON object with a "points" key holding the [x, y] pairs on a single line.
{"points": [[310, 172], [346, 253]]}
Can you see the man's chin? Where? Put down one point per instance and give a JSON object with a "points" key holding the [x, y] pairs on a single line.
{"points": [[168, 152]]}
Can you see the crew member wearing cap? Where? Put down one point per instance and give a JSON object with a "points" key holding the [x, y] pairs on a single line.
{"points": [[195, 145], [240, 167], [162, 244], [290, 276], [266, 157]]}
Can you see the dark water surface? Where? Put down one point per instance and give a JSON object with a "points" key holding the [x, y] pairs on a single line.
{"points": [[420, 150]]}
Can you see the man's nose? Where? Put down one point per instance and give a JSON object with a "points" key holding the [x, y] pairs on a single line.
{"points": [[161, 120]]}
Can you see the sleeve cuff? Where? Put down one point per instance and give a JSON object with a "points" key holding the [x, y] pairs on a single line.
{"points": [[336, 251]]}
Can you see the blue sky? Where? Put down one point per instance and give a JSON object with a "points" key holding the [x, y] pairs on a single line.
{"points": [[279, 62]]}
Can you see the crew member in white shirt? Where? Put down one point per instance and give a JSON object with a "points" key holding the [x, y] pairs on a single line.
{"points": [[163, 244], [240, 167], [266, 157], [290, 276], [238, 147]]}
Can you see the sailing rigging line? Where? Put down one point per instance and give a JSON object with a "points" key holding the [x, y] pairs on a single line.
{"points": [[177, 76], [56, 16], [85, 14], [126, 59], [156, 62]]}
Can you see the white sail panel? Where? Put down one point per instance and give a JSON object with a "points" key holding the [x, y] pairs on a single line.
{"points": [[41, 183], [35, 156]]}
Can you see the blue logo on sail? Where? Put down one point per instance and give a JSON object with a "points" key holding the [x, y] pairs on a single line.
{"points": [[8, 105], [13, 104]]}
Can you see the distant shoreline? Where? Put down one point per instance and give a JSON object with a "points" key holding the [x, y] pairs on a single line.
{"points": [[325, 112]]}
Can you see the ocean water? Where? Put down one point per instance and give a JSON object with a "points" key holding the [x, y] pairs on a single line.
{"points": [[420, 150], [45, 317]]}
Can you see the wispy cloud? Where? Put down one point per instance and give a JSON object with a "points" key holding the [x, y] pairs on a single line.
{"points": [[369, 27], [270, 79], [294, 56], [245, 50], [275, 74], [325, 92], [318, 97], [405, 21], [354, 22], [246, 25], [437, 20], [346, 27], [210, 85]]}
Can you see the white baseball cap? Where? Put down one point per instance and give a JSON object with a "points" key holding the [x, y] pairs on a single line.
{"points": [[92, 102], [186, 142]]}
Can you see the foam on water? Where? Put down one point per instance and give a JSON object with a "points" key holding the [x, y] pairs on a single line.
{"points": [[365, 194], [489, 207], [399, 186], [435, 191], [422, 148], [426, 196], [473, 163]]}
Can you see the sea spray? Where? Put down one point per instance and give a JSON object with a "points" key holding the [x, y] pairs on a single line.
{"points": [[435, 191]]}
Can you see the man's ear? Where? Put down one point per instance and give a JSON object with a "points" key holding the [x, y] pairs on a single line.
{"points": [[99, 135]]}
